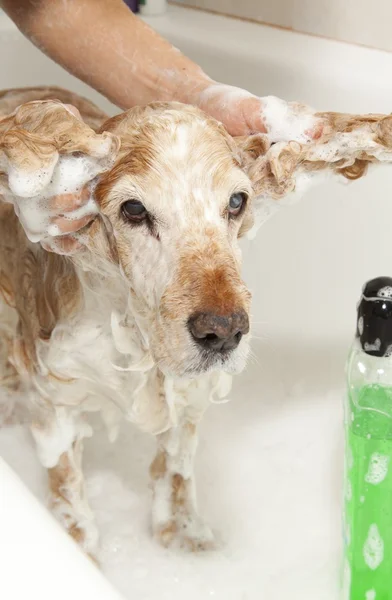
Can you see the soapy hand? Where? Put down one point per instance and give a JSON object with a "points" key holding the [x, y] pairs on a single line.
{"points": [[63, 208], [242, 113], [54, 221], [63, 224]]}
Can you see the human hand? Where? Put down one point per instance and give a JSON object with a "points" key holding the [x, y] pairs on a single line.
{"points": [[61, 234], [65, 215], [49, 175], [55, 222], [242, 113]]}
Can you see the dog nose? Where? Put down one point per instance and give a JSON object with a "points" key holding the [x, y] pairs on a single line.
{"points": [[218, 333]]}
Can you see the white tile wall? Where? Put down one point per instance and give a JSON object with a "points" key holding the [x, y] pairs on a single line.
{"points": [[366, 22]]}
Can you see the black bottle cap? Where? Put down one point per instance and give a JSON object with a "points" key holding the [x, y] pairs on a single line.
{"points": [[374, 324]]}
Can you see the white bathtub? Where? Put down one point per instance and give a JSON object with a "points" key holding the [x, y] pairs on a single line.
{"points": [[269, 464]]}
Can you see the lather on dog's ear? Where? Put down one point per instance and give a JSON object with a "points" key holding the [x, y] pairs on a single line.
{"points": [[38, 133], [46, 150], [33, 138], [283, 171]]}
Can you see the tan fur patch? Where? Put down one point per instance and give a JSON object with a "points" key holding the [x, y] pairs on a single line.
{"points": [[6, 290], [60, 477], [167, 533], [42, 287], [10, 99], [179, 492], [158, 467], [207, 281], [64, 483]]}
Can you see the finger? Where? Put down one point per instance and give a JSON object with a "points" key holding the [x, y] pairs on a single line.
{"points": [[68, 202], [62, 225], [252, 115], [62, 245], [316, 132]]}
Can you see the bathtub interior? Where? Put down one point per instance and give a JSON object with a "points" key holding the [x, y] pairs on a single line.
{"points": [[269, 462]]}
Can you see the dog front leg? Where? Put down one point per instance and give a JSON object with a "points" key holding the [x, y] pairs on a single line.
{"points": [[175, 519], [59, 440]]}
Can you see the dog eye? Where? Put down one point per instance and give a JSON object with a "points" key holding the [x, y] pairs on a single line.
{"points": [[133, 210], [236, 204]]}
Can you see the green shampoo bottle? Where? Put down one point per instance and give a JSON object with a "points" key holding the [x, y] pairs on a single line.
{"points": [[368, 455]]}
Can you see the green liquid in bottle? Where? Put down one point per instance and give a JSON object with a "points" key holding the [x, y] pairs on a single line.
{"points": [[368, 494]]}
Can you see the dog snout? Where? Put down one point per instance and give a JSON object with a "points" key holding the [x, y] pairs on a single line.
{"points": [[218, 333]]}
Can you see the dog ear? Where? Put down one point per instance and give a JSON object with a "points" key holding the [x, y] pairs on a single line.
{"points": [[251, 155], [33, 138], [271, 169], [282, 172]]}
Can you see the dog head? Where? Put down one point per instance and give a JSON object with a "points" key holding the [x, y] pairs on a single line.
{"points": [[177, 199]]}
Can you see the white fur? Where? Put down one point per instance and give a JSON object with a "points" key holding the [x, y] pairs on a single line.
{"points": [[106, 366], [181, 142]]}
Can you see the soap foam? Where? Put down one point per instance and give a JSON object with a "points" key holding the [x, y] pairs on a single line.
{"points": [[378, 468], [373, 550], [69, 175], [25, 185], [52, 443], [287, 122]]}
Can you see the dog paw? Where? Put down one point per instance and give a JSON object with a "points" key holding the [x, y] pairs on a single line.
{"points": [[189, 534], [81, 529], [85, 534]]}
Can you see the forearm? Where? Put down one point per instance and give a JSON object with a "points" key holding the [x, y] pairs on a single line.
{"points": [[110, 49]]}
